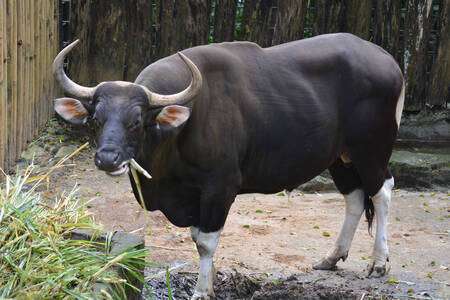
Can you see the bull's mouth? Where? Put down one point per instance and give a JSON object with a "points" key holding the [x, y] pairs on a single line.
{"points": [[122, 169]]}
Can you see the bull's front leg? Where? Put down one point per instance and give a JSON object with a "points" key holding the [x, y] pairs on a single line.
{"points": [[206, 246]]}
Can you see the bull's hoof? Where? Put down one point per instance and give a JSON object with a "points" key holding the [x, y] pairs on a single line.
{"points": [[324, 264], [376, 269]]}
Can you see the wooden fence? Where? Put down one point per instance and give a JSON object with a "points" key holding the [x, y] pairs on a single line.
{"points": [[121, 37], [28, 44]]}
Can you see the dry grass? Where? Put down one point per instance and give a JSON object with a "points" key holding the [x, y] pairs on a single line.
{"points": [[38, 261]]}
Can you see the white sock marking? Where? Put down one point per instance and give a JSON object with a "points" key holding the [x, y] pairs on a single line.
{"points": [[206, 246], [381, 203], [354, 207]]}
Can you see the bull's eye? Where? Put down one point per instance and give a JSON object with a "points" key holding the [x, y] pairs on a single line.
{"points": [[96, 121], [135, 124]]}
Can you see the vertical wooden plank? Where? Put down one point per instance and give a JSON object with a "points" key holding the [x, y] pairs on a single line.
{"points": [[329, 16], [47, 48], [357, 17], [53, 42], [25, 118], [11, 16], [224, 20], [31, 112], [40, 58], [3, 84], [181, 25], [439, 91], [417, 27], [18, 105], [386, 31], [55, 50], [290, 21], [36, 53]]}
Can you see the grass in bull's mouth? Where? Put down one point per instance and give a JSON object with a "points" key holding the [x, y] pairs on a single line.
{"points": [[38, 260]]}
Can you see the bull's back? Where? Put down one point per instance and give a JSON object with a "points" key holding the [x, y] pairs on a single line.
{"points": [[313, 96], [281, 113]]}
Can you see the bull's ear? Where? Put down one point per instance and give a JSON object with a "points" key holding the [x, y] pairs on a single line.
{"points": [[71, 110], [173, 116]]}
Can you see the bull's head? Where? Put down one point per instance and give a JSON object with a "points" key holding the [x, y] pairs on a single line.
{"points": [[121, 111]]}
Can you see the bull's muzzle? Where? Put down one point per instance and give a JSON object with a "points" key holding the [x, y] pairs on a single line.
{"points": [[111, 161]]}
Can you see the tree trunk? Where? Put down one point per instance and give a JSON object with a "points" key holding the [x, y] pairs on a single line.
{"points": [[181, 25], [290, 21], [439, 92], [224, 20], [357, 17], [387, 26], [328, 16], [417, 29]]}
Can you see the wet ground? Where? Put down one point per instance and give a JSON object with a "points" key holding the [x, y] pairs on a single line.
{"points": [[269, 241]]}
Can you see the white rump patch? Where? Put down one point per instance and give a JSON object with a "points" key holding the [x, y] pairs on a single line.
{"points": [[400, 104]]}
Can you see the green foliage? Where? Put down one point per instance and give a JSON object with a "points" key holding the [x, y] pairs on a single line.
{"points": [[39, 260]]}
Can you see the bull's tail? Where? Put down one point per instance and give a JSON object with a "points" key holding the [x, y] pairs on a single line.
{"points": [[369, 211]]}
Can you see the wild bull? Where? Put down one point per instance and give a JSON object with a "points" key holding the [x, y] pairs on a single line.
{"points": [[225, 119]]}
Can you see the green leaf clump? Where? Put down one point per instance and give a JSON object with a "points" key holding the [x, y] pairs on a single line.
{"points": [[38, 260]]}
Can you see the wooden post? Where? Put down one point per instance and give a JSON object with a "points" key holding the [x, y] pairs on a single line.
{"points": [[18, 105], [11, 27], [439, 91], [3, 85], [224, 20]]}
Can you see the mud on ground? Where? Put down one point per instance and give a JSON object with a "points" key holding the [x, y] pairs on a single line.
{"points": [[269, 241]]}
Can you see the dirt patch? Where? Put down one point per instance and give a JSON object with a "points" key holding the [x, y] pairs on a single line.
{"points": [[269, 241], [317, 285]]}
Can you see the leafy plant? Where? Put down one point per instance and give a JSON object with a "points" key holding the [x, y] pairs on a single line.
{"points": [[38, 260]]}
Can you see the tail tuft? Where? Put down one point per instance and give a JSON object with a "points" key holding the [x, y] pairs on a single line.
{"points": [[369, 210]]}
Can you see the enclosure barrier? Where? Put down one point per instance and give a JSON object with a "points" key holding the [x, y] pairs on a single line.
{"points": [[28, 45]]}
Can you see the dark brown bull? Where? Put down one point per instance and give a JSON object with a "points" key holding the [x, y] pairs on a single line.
{"points": [[251, 120]]}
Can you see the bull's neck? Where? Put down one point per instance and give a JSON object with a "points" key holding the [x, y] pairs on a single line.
{"points": [[156, 156]]}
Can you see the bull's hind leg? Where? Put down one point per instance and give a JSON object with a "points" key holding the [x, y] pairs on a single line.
{"points": [[377, 183], [349, 184], [380, 254]]}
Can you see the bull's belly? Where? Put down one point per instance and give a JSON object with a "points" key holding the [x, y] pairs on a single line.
{"points": [[277, 177]]}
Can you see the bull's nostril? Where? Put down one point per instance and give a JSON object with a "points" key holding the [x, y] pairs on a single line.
{"points": [[116, 158]]}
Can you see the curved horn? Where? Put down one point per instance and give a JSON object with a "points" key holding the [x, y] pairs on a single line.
{"points": [[183, 97], [68, 85]]}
